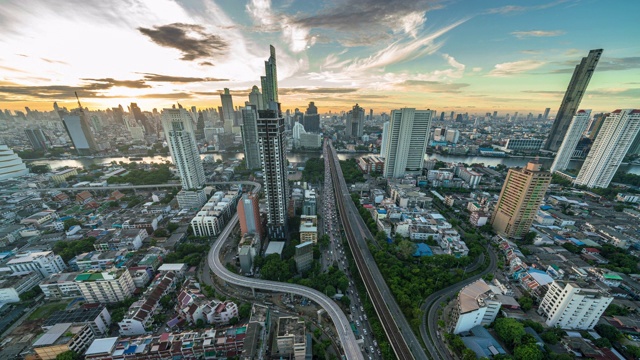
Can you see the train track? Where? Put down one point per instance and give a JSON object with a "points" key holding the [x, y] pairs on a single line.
{"points": [[391, 328]]}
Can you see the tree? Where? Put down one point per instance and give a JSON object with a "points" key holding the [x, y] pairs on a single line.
{"points": [[529, 237], [406, 248], [160, 233], [244, 311], [71, 222], [609, 332], [345, 301], [526, 303], [528, 352], [602, 343], [172, 227], [510, 331], [468, 354], [69, 355], [166, 301], [330, 291], [234, 320], [633, 351]]}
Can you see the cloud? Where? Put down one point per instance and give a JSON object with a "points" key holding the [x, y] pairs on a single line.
{"points": [[516, 67], [476, 69], [192, 40], [537, 33], [549, 92], [319, 90], [531, 52], [605, 64], [176, 96], [435, 86], [508, 9], [108, 83], [58, 92], [178, 79]]}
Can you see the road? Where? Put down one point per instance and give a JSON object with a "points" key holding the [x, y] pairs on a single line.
{"points": [[124, 187], [402, 339], [347, 338], [435, 344]]}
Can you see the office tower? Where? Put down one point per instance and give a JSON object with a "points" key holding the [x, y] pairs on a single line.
{"points": [[255, 98], [596, 124], [451, 118], [452, 136], [272, 145], [228, 114], [569, 306], [442, 116], [571, 101], [371, 114], [311, 118], [355, 122], [383, 143], [617, 133], [249, 130], [270, 80], [571, 139], [79, 131], [142, 118], [249, 215], [118, 114], [178, 130], [200, 126], [546, 114], [495, 114], [520, 198], [37, 139], [406, 141]]}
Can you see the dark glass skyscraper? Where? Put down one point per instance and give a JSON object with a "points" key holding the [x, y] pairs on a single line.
{"points": [[571, 101], [270, 80]]}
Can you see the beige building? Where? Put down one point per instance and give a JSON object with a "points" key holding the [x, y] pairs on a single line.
{"points": [[291, 338], [61, 338], [520, 199], [308, 228], [108, 286], [62, 175]]}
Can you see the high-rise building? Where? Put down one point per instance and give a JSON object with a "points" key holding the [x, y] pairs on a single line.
{"points": [[570, 306], [617, 133], [304, 256], [370, 114], [383, 143], [406, 141], [11, 165], [272, 145], [77, 126], [475, 305], [442, 116], [545, 116], [311, 119], [249, 131], [37, 139], [355, 122], [109, 286], [520, 198], [571, 139], [270, 80], [118, 113], [45, 263], [255, 98], [572, 98], [178, 130], [249, 215], [228, 114], [142, 118], [596, 124]]}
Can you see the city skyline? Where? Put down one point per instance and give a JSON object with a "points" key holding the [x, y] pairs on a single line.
{"points": [[461, 56]]}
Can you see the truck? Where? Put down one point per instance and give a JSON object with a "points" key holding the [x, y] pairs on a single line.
{"points": [[354, 328]]}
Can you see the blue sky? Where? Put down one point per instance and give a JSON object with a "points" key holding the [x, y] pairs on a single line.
{"points": [[473, 56]]}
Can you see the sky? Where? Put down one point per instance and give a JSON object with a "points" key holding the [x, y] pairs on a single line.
{"points": [[463, 56]]}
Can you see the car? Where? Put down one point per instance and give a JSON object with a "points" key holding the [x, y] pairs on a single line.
{"points": [[358, 324], [375, 343], [379, 352], [360, 317], [361, 309], [371, 349], [364, 331], [365, 317]]}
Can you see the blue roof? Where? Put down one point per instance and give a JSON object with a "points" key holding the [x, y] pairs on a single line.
{"points": [[131, 349], [482, 343], [534, 270], [576, 241], [382, 211], [423, 249], [559, 237], [546, 207]]}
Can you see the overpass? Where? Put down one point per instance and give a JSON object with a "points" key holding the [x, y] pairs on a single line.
{"points": [[343, 328]]}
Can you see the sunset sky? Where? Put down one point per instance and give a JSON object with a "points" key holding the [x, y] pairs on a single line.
{"points": [[473, 56]]}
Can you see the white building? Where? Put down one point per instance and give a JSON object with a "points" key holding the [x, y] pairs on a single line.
{"points": [[383, 143], [406, 142], [228, 114], [569, 306], [110, 286], [616, 135], [574, 134], [476, 305], [211, 219], [44, 262], [139, 317], [291, 338], [178, 130], [194, 306], [11, 165], [470, 177], [60, 286], [12, 285], [452, 136], [628, 198]]}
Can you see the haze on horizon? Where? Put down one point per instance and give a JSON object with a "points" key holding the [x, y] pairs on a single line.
{"points": [[447, 55]]}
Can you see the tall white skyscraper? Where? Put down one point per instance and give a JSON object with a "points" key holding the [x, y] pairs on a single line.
{"points": [[406, 140], [383, 143], [228, 114], [178, 130], [574, 134], [617, 133], [255, 98]]}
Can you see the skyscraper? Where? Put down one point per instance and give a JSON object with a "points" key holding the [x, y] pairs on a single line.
{"points": [[520, 198], [255, 98], [617, 133], [572, 98], [383, 143], [178, 130], [355, 122], [249, 131], [272, 145], [249, 215], [79, 131], [37, 138], [545, 116], [270, 80], [442, 116], [574, 134], [142, 118], [228, 114], [311, 119], [594, 129], [406, 141]]}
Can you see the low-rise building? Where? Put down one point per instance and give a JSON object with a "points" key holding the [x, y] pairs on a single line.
{"points": [[62, 175], [476, 304], [194, 306], [308, 228], [95, 315], [571, 306], [291, 338], [61, 338], [44, 262], [109, 286], [60, 286], [127, 239], [12, 285], [96, 260], [40, 218]]}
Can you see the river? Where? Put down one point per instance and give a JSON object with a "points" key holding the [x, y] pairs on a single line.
{"points": [[302, 157]]}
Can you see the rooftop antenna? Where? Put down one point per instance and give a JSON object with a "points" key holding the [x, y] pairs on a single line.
{"points": [[76, 93]]}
